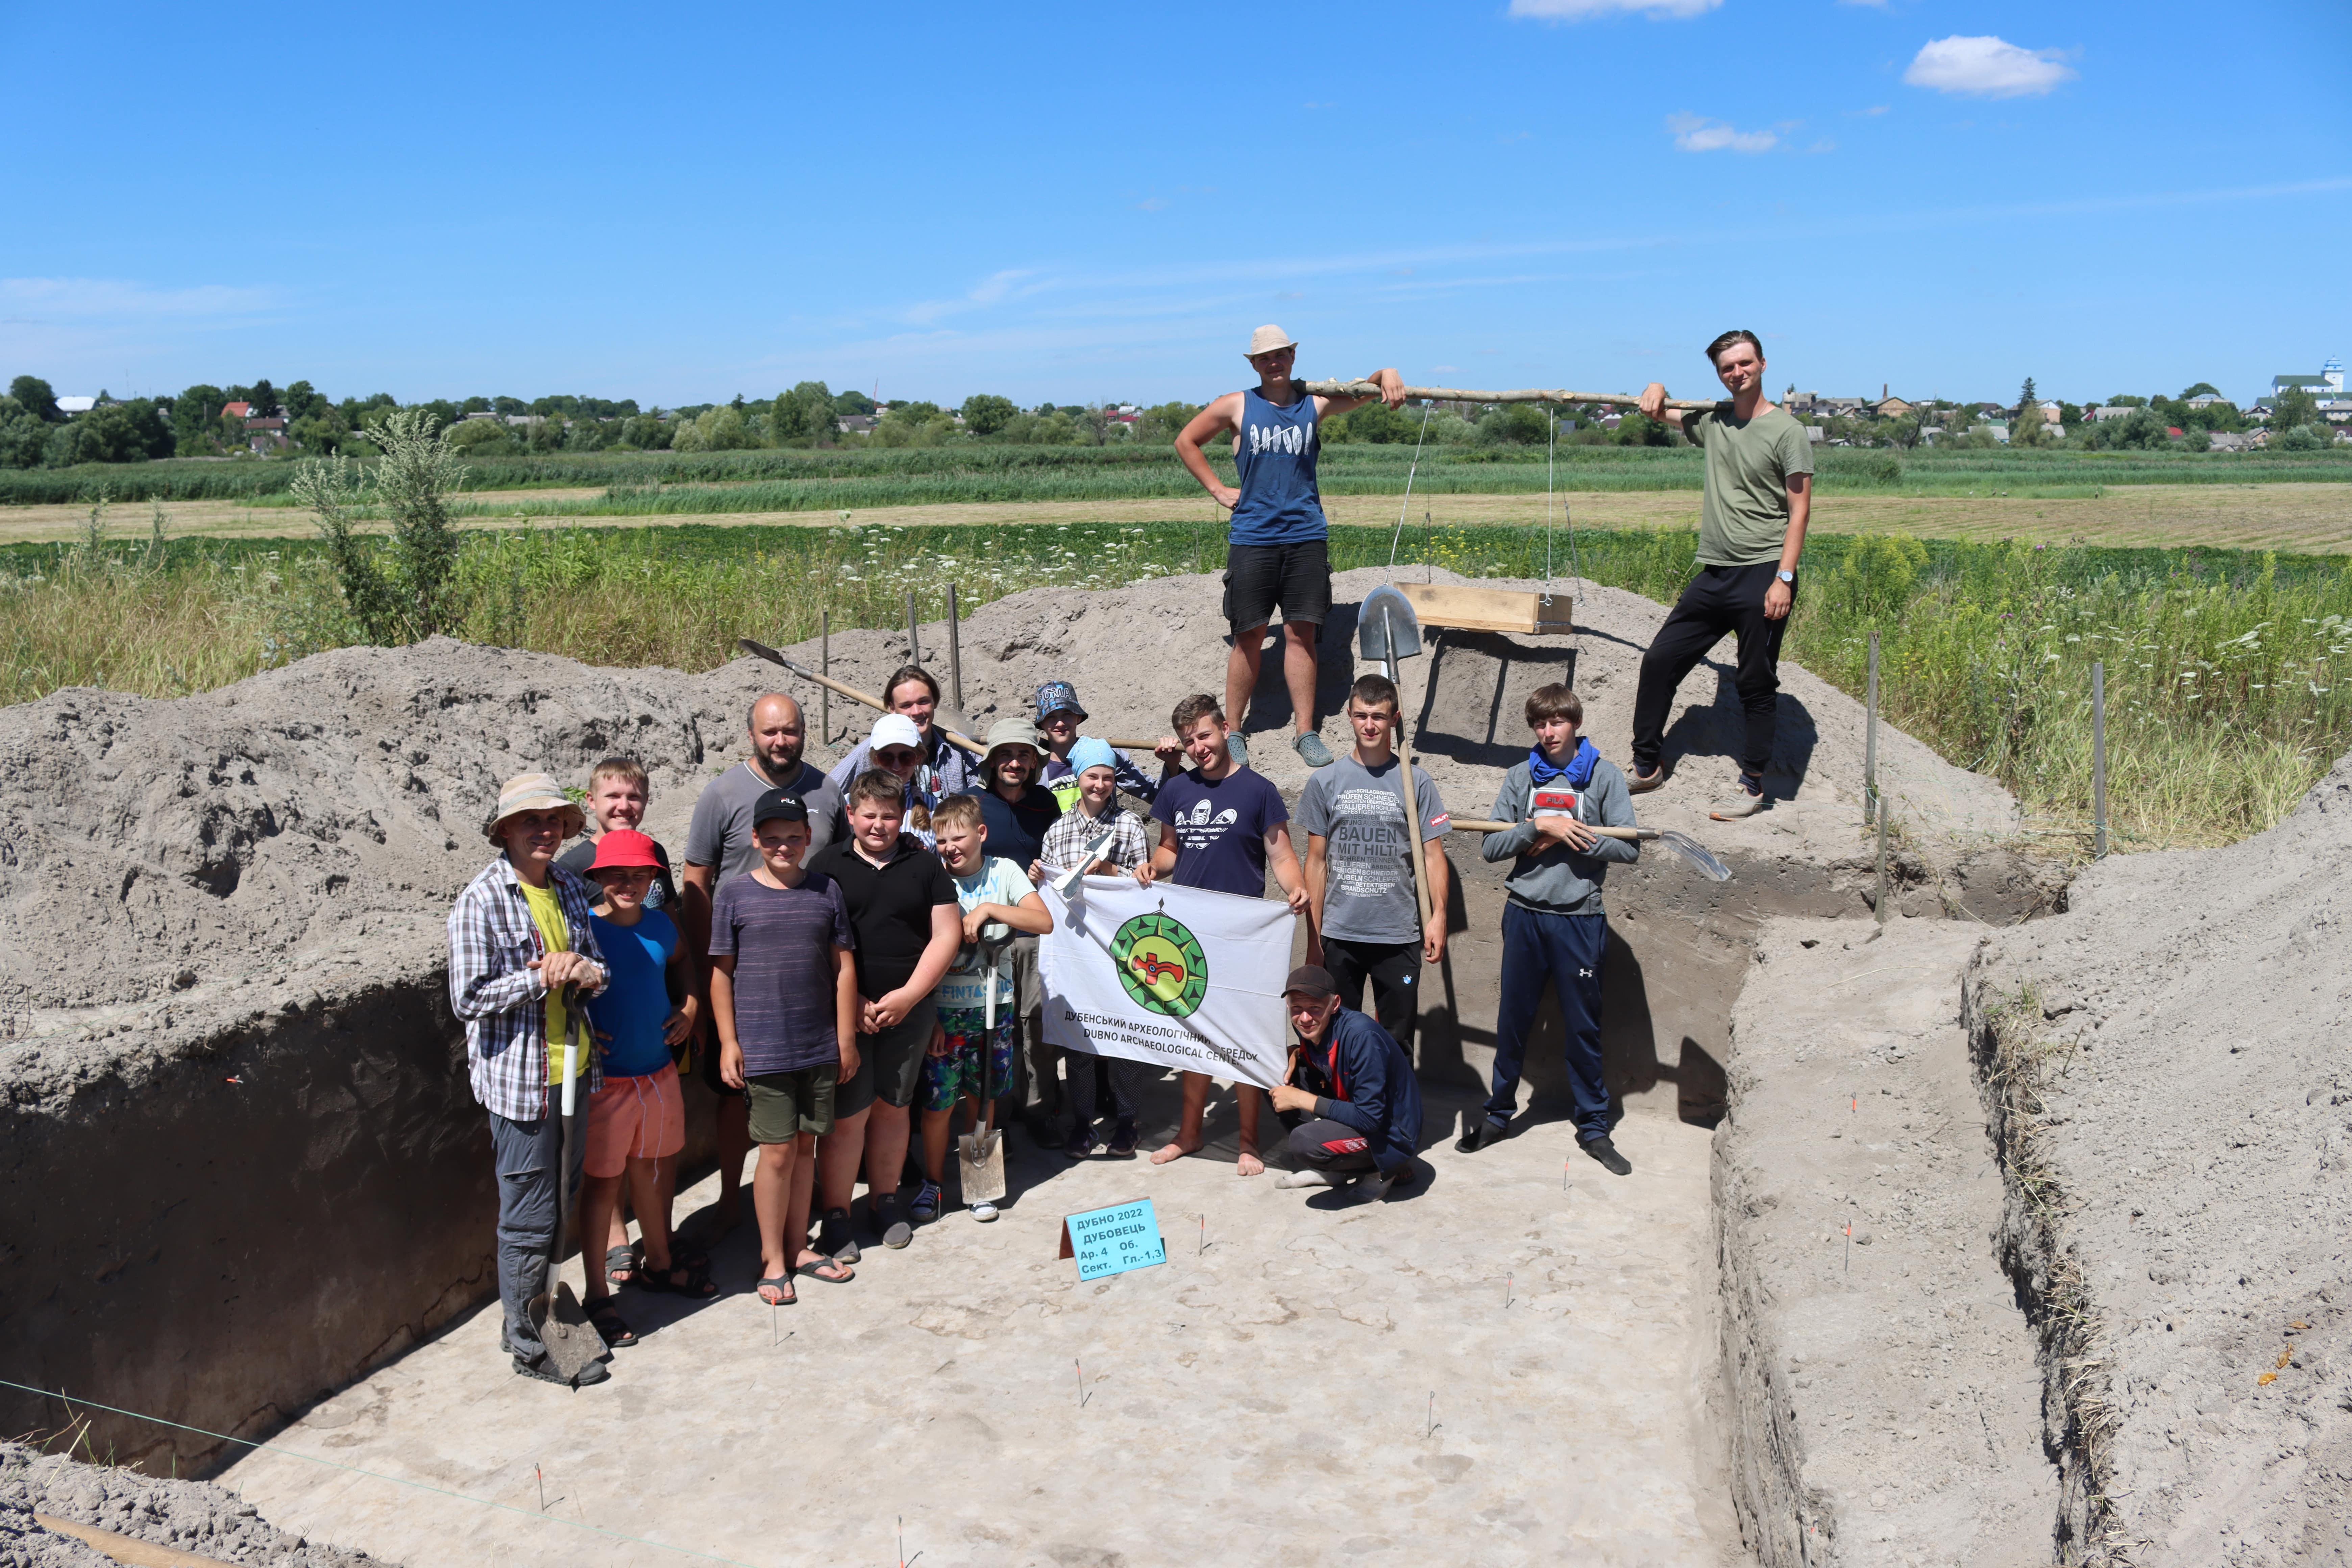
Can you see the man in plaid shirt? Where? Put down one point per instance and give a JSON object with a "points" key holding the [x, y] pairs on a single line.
{"points": [[522, 951], [1098, 1085]]}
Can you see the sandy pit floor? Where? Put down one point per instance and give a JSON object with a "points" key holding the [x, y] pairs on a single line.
{"points": [[1272, 1394]]}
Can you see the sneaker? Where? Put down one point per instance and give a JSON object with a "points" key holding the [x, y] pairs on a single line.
{"points": [[896, 1231], [1081, 1143], [836, 1239], [1745, 801], [1238, 749], [1311, 749], [1478, 1132], [540, 1367], [1605, 1152], [1311, 1177], [983, 1211], [1639, 783], [926, 1206], [1122, 1142]]}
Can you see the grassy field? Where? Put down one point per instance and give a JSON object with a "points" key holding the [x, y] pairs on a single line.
{"points": [[769, 480], [2226, 669]]}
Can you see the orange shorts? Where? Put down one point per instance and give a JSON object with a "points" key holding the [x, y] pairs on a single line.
{"points": [[634, 1119]]}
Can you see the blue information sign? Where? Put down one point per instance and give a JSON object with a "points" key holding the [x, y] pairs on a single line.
{"points": [[1113, 1240]]}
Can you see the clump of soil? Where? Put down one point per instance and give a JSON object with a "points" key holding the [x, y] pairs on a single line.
{"points": [[2177, 1120], [190, 1515]]}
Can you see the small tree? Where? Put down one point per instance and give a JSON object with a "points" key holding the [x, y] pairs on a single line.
{"points": [[2026, 429], [984, 413], [415, 598]]}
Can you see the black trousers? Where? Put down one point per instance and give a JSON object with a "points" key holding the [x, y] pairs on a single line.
{"points": [[1719, 599], [1320, 1143], [1394, 969]]}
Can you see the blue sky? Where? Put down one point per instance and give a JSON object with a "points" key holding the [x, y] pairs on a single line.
{"points": [[678, 205]]}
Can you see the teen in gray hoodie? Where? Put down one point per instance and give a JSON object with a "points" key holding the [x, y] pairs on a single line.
{"points": [[1554, 929]]}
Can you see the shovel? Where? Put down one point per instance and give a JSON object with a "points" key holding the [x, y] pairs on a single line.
{"points": [[571, 1341], [1388, 630], [982, 1151], [1697, 856]]}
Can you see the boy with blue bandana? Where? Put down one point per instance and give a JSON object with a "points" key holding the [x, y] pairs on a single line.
{"points": [[1554, 928]]}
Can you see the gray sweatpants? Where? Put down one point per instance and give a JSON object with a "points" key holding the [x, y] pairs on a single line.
{"points": [[524, 1155]]}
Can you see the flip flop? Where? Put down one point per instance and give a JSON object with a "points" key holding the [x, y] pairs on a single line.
{"points": [[779, 1283], [817, 1271]]}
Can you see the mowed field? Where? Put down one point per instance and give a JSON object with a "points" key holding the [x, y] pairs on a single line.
{"points": [[2300, 519]]}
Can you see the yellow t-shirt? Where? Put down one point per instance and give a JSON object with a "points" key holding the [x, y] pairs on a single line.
{"points": [[554, 936]]}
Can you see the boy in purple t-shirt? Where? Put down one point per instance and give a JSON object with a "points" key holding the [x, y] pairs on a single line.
{"points": [[783, 996], [1221, 826]]}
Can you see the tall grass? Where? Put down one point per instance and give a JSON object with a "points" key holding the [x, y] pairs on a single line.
{"points": [[645, 482], [2226, 672]]}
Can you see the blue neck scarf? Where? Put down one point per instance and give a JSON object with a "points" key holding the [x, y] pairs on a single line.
{"points": [[1577, 770]]}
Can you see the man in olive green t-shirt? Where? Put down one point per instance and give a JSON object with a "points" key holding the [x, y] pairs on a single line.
{"points": [[1759, 475]]}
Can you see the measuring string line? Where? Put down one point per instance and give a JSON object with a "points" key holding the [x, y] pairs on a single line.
{"points": [[335, 1464]]}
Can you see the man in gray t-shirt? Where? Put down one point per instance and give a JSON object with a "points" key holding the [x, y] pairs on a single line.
{"points": [[1363, 919], [1759, 498], [718, 847]]}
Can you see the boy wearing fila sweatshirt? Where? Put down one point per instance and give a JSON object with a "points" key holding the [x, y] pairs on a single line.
{"points": [[1554, 929]]}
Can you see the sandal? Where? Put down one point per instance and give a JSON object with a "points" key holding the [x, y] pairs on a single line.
{"points": [[840, 1275], [664, 1281], [606, 1320], [777, 1291], [1122, 1142], [624, 1264]]}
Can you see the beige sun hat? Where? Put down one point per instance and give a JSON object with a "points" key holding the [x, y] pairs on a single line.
{"points": [[1267, 339], [1012, 731], [534, 791]]}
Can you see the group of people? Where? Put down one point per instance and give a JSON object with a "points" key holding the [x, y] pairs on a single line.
{"points": [[847, 959]]}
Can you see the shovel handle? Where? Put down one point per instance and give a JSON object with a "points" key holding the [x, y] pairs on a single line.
{"points": [[570, 1041], [839, 689], [1475, 824]]}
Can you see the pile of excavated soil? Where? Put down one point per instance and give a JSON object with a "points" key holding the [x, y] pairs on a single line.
{"points": [[2182, 1028], [193, 1516]]}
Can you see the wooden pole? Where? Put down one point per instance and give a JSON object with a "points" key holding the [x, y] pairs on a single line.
{"points": [[1870, 741], [955, 653], [1524, 395], [2099, 759], [1405, 778]]}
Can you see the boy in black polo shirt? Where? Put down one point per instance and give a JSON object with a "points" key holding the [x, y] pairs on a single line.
{"points": [[902, 904]]}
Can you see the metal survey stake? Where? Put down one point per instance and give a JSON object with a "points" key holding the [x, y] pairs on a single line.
{"points": [[914, 646], [540, 1476], [2098, 759], [1082, 1382], [1870, 738], [1848, 1247], [825, 663], [955, 653], [1881, 863], [1429, 1422]]}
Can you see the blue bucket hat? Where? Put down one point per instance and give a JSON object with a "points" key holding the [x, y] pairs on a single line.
{"points": [[1058, 697], [1089, 753]]}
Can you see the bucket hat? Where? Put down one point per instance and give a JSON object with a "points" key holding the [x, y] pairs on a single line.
{"points": [[534, 791], [624, 850], [1014, 731], [1267, 339]]}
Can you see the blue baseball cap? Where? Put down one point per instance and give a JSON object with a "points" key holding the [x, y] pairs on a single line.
{"points": [[1058, 697], [1089, 753]]}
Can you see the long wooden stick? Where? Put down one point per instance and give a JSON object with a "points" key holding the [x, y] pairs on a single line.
{"points": [[1473, 825], [843, 688], [1524, 395]]}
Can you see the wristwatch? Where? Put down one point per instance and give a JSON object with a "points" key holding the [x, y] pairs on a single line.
{"points": [[1786, 577]]}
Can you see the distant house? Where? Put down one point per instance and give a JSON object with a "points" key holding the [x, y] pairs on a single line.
{"points": [[265, 435], [1813, 432], [245, 411], [2052, 414], [1891, 408], [2235, 441], [857, 423], [1800, 403], [1837, 408], [2203, 400], [70, 405], [525, 421], [2106, 412]]}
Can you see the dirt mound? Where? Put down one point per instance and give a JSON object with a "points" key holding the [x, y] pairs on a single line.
{"points": [[2178, 1125], [188, 1516]]}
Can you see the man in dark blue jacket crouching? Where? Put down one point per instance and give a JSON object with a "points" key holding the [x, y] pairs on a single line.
{"points": [[1352, 1104]]}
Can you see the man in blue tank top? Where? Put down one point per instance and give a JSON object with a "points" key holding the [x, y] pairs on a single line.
{"points": [[1278, 555]]}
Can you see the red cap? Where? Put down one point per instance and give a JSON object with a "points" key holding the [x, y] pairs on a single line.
{"points": [[625, 849]]}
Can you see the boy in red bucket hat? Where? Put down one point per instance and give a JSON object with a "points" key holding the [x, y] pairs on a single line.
{"points": [[637, 1120]]}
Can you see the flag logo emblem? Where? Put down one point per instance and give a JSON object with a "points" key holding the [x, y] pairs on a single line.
{"points": [[1160, 965]]}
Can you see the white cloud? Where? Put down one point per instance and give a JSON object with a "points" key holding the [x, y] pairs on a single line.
{"points": [[1582, 10], [1694, 134], [1986, 68]]}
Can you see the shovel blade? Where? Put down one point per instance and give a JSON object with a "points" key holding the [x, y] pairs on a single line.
{"points": [[982, 1159], [1700, 857], [1386, 627], [571, 1340]]}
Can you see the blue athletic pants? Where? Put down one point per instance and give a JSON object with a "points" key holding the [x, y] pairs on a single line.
{"points": [[1564, 952]]}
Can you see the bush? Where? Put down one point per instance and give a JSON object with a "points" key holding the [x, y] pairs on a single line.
{"points": [[2301, 438], [22, 436], [128, 432], [480, 438], [1876, 578], [984, 413]]}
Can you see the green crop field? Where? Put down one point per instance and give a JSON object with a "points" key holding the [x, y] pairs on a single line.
{"points": [[770, 480], [2226, 670]]}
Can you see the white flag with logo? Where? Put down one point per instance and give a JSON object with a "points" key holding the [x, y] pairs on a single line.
{"points": [[1180, 977]]}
